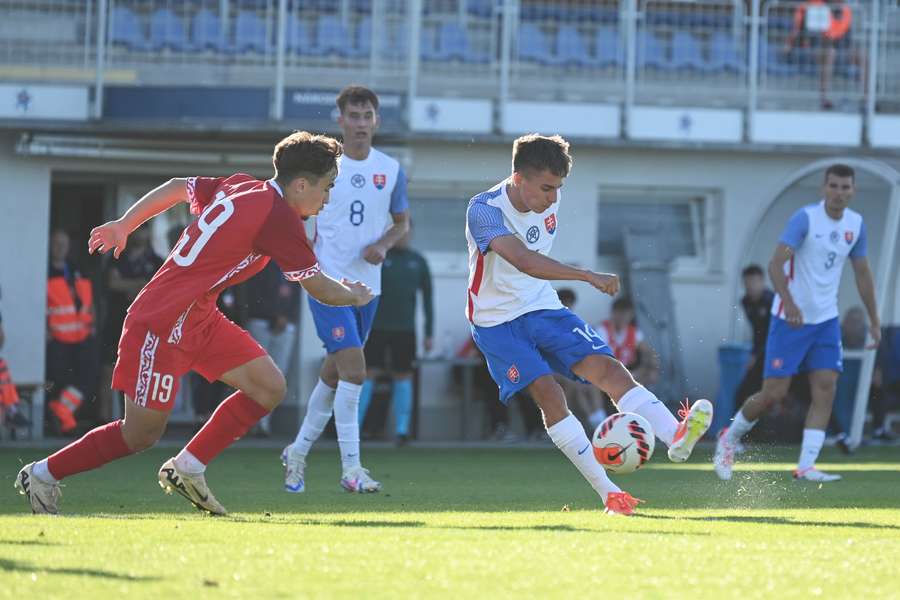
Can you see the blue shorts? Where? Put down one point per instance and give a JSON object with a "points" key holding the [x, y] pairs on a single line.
{"points": [[342, 327], [536, 344], [792, 350]]}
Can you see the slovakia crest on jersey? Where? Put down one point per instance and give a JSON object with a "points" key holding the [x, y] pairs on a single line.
{"points": [[848, 237], [380, 180], [550, 223], [513, 374], [337, 333]]}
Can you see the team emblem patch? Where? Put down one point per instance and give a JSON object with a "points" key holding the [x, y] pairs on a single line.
{"points": [[550, 223], [834, 237], [357, 181], [532, 234], [380, 180], [337, 333], [513, 374], [777, 363], [848, 237]]}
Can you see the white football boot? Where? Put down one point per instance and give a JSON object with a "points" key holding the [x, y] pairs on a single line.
{"points": [[813, 474], [723, 459], [190, 485], [358, 480], [695, 420], [43, 497], [294, 469]]}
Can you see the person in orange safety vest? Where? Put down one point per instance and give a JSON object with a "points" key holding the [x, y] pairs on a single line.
{"points": [[71, 366]]}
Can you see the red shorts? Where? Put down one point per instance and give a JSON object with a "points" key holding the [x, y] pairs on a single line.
{"points": [[149, 368]]}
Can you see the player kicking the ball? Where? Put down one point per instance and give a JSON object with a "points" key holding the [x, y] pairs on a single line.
{"points": [[526, 334], [173, 326], [804, 334]]}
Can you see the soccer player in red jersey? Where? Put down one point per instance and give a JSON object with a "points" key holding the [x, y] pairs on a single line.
{"points": [[173, 326]]}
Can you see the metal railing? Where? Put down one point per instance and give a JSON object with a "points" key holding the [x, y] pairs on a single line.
{"points": [[780, 53]]}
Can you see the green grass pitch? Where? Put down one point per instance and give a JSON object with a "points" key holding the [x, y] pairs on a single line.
{"points": [[465, 523]]}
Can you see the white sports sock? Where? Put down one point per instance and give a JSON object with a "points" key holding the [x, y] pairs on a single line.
{"points": [[569, 436], [187, 462], [809, 450], [318, 412], [42, 472], [739, 427], [346, 421], [642, 401]]}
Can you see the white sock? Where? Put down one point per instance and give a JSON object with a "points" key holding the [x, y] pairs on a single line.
{"points": [[739, 427], [318, 413], [642, 401], [346, 421], [187, 462], [569, 436], [809, 450], [42, 472]]}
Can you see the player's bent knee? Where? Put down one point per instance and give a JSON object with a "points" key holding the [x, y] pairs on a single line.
{"points": [[141, 437], [271, 392]]}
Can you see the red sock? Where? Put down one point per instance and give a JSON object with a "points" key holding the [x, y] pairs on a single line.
{"points": [[98, 447], [234, 417]]}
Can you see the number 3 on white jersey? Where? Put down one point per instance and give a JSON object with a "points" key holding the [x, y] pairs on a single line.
{"points": [[207, 229]]}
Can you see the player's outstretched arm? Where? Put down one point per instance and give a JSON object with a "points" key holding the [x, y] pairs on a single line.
{"points": [[114, 235], [539, 266], [783, 253], [337, 293], [865, 283]]}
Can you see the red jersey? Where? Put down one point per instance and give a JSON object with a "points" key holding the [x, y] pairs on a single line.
{"points": [[242, 223]]}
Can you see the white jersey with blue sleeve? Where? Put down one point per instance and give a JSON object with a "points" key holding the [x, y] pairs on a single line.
{"points": [[821, 246], [498, 292], [365, 195]]}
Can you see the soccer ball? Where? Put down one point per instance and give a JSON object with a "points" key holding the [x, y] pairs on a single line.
{"points": [[623, 442]]}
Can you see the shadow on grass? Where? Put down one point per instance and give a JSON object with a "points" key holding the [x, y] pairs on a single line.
{"points": [[27, 543], [762, 520], [7, 564]]}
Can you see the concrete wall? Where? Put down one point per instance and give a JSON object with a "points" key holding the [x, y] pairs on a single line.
{"points": [[24, 233]]}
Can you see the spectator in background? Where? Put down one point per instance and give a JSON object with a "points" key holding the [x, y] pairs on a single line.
{"points": [[854, 329], [392, 344], [757, 305], [620, 332], [272, 319], [71, 361], [125, 277], [823, 27], [10, 415], [586, 400]]}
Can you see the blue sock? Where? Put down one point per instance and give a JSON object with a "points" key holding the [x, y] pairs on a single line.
{"points": [[365, 399], [403, 404]]}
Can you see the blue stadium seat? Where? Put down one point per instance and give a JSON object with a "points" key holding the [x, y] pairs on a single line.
{"points": [[332, 37], [687, 53], [724, 55], [452, 44], [481, 8], [609, 49], [207, 32], [167, 30], [250, 33], [363, 46], [771, 60], [571, 49], [533, 45], [651, 53], [125, 29], [298, 40]]}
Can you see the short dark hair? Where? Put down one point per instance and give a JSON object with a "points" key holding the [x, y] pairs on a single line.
{"points": [[623, 304], [840, 170], [566, 296], [356, 94], [752, 270], [534, 153], [303, 154]]}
